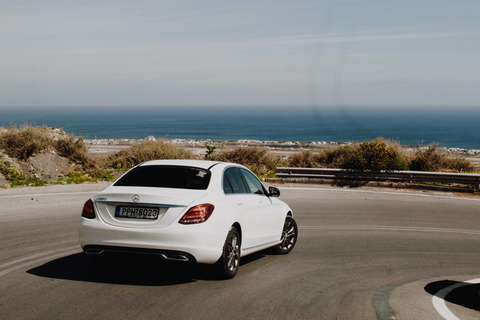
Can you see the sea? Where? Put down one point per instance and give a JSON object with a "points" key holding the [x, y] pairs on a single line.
{"points": [[454, 127]]}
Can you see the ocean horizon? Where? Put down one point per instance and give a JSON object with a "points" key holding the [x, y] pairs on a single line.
{"points": [[447, 126]]}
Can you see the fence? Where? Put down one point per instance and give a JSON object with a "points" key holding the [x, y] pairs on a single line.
{"points": [[397, 176]]}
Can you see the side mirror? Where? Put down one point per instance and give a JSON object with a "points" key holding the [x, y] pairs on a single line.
{"points": [[273, 192]]}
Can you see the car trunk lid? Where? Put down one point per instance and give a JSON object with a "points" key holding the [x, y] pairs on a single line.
{"points": [[145, 208]]}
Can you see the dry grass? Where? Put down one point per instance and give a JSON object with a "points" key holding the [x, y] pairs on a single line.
{"points": [[336, 157], [430, 159], [304, 159], [150, 150], [256, 159], [23, 142], [75, 149], [380, 154]]}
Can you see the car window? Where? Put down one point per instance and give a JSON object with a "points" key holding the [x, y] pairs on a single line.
{"points": [[253, 184], [236, 183], [160, 176], [227, 187]]}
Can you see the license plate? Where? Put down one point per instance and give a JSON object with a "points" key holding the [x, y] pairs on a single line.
{"points": [[137, 213]]}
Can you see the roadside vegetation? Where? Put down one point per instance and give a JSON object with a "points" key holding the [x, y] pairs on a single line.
{"points": [[381, 154], [149, 150], [25, 141], [259, 160], [37, 156]]}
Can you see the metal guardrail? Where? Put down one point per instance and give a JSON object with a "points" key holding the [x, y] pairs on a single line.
{"points": [[397, 176]]}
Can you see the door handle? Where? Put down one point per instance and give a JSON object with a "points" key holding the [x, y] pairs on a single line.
{"points": [[239, 203]]}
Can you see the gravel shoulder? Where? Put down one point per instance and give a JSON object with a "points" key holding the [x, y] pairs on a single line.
{"points": [[69, 188]]}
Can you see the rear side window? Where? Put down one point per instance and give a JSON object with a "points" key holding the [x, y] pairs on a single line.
{"points": [[232, 182], [254, 185], [179, 177]]}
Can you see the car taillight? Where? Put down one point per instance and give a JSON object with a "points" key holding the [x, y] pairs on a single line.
{"points": [[88, 211], [197, 214]]}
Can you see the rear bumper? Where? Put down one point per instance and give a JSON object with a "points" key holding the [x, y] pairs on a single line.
{"points": [[201, 243], [166, 254]]}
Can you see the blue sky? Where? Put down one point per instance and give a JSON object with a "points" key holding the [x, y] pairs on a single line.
{"points": [[146, 52]]}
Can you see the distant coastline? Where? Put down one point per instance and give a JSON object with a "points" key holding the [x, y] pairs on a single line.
{"points": [[112, 145], [452, 127], [284, 149]]}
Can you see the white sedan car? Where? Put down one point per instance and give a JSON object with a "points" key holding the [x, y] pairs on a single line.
{"points": [[188, 210]]}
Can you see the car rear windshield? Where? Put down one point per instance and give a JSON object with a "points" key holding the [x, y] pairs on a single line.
{"points": [[179, 177]]}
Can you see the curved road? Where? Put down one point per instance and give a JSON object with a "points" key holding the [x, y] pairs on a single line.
{"points": [[362, 254]]}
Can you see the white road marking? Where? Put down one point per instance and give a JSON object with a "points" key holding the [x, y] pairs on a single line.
{"points": [[438, 299], [48, 194], [43, 256], [392, 228], [382, 192]]}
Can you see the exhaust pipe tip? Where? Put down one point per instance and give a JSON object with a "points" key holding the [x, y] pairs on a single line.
{"points": [[175, 257], [94, 251]]}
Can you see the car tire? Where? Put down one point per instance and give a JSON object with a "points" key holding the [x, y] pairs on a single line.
{"points": [[288, 238], [227, 265]]}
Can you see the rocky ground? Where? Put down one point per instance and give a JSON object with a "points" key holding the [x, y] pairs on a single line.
{"points": [[45, 165]]}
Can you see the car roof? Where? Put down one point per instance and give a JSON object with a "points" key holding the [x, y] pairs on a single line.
{"points": [[204, 164]]}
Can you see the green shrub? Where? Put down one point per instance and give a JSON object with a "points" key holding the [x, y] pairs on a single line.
{"points": [[11, 173], [25, 141], [78, 177], [33, 182], [16, 177], [376, 155], [150, 150], [421, 163], [428, 159], [210, 151]]}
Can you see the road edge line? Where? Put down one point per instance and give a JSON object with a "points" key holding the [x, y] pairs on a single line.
{"points": [[438, 299]]}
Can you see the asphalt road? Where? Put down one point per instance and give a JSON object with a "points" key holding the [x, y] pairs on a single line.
{"points": [[361, 254]]}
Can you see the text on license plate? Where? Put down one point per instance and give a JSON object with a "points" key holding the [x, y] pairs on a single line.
{"points": [[137, 212]]}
